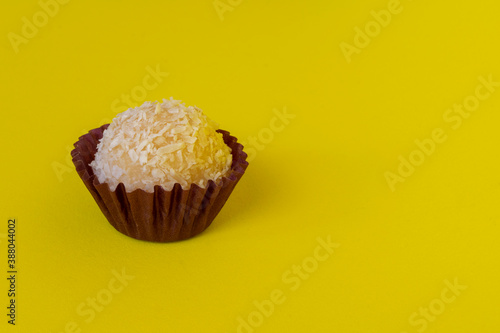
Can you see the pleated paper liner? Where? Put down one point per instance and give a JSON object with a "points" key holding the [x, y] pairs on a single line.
{"points": [[162, 216]]}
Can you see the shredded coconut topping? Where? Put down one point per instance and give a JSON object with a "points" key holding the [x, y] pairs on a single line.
{"points": [[161, 144]]}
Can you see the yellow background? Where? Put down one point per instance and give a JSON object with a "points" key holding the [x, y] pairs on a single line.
{"points": [[322, 175]]}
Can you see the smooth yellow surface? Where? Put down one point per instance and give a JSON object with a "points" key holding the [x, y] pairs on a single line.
{"points": [[320, 175]]}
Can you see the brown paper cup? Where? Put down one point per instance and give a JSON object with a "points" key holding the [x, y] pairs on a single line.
{"points": [[162, 216]]}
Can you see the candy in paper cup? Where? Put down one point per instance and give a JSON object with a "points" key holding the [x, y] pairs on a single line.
{"points": [[161, 216]]}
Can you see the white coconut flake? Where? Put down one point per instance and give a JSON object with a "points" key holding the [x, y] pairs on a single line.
{"points": [[133, 155], [142, 145], [143, 158], [158, 108], [170, 148]]}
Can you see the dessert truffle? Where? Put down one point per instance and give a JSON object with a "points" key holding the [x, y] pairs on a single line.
{"points": [[161, 144], [160, 172]]}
